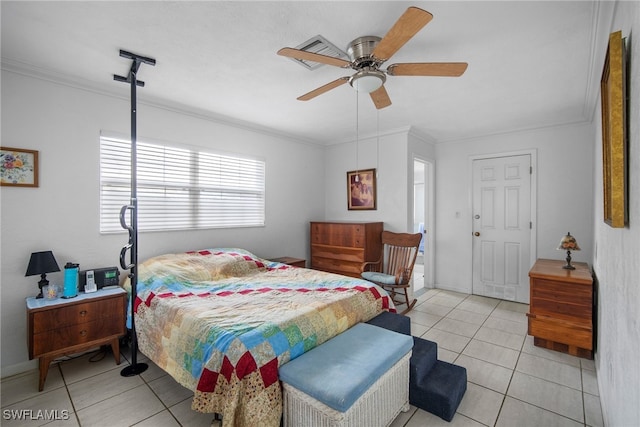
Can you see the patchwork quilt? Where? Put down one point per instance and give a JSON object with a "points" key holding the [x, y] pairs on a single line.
{"points": [[221, 321]]}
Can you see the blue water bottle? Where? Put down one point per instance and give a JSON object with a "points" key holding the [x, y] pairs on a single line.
{"points": [[70, 280]]}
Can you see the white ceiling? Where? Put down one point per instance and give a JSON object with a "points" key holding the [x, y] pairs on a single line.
{"points": [[531, 64]]}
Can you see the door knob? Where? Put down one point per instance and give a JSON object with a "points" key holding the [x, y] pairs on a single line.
{"points": [[477, 233]]}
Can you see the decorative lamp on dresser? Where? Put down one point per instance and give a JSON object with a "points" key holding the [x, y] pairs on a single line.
{"points": [[342, 247], [66, 326], [561, 307]]}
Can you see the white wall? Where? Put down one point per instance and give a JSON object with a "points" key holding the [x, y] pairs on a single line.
{"points": [[564, 174], [617, 258], [388, 155], [63, 123]]}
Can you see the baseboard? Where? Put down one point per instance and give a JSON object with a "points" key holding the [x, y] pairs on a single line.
{"points": [[18, 368]]}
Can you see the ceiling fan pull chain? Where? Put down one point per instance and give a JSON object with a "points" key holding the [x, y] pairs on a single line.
{"points": [[377, 141], [357, 134]]}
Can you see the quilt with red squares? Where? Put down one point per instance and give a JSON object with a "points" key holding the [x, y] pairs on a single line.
{"points": [[221, 322]]}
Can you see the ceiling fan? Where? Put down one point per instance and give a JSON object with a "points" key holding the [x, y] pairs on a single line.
{"points": [[368, 53]]}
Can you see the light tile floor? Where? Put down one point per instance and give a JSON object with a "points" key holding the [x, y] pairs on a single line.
{"points": [[510, 382]]}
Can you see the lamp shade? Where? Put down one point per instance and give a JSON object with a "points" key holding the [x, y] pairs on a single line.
{"points": [[568, 243], [41, 263]]}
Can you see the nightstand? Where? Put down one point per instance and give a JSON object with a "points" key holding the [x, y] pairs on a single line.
{"points": [[561, 307], [296, 262], [65, 326]]}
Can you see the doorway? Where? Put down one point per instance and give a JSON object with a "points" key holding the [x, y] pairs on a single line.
{"points": [[503, 210], [423, 273]]}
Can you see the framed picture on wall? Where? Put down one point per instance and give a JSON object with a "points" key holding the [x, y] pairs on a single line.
{"points": [[614, 138], [361, 189], [18, 167]]}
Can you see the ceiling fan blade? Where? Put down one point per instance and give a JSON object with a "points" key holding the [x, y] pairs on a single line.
{"points": [[442, 69], [290, 52], [323, 89], [380, 98], [411, 21]]}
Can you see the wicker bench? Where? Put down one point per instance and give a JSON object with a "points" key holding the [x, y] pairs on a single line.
{"points": [[358, 378]]}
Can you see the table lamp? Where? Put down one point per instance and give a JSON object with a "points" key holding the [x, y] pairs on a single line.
{"points": [[568, 243], [42, 263]]}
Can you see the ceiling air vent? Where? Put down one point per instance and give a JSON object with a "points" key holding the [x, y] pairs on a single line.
{"points": [[322, 46]]}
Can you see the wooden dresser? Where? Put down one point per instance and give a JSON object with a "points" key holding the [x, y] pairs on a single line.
{"points": [[561, 307], [342, 247], [66, 326]]}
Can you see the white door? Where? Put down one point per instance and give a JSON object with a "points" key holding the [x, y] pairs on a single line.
{"points": [[502, 227]]}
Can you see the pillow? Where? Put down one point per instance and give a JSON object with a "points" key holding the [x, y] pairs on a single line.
{"points": [[200, 266]]}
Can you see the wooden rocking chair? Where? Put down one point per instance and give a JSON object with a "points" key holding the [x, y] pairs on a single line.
{"points": [[393, 270]]}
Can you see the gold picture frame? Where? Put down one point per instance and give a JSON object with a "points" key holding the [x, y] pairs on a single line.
{"points": [[361, 190], [614, 133], [18, 167]]}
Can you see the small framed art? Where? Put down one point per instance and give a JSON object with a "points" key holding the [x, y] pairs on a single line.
{"points": [[18, 167], [361, 189]]}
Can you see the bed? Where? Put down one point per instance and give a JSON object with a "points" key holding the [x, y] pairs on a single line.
{"points": [[221, 321]]}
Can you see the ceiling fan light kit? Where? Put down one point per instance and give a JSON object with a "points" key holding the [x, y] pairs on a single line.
{"points": [[367, 81], [367, 55]]}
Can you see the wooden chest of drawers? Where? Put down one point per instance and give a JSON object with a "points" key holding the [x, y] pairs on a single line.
{"points": [[60, 327], [342, 247], [561, 307]]}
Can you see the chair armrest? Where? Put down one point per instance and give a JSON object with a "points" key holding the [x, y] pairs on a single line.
{"points": [[370, 266]]}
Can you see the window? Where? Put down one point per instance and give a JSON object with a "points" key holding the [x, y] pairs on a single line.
{"points": [[180, 188]]}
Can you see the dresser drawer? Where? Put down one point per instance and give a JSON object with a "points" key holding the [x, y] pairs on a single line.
{"points": [[338, 235], [337, 266], [77, 314], [561, 310], [338, 253], [561, 331], [560, 292], [69, 336]]}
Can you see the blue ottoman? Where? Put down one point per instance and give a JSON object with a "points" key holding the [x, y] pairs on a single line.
{"points": [[359, 378]]}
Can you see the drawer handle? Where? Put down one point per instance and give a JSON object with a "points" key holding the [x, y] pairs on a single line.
{"points": [[83, 313], [83, 333]]}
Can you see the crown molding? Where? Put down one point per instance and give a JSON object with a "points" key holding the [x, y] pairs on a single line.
{"points": [[105, 89]]}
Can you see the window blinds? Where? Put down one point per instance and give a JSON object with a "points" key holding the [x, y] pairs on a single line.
{"points": [[180, 188]]}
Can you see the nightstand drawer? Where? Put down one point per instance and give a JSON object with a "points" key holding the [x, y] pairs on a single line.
{"points": [[61, 338], [562, 332], [562, 310], [76, 314], [576, 294]]}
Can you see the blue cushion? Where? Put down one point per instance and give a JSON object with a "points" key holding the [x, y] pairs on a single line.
{"points": [[374, 276], [340, 370]]}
